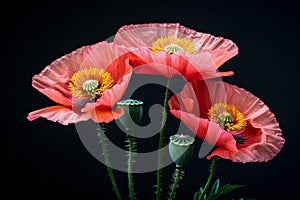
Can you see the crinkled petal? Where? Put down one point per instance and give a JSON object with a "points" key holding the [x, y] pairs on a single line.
{"points": [[199, 66], [220, 56], [143, 36], [260, 152], [108, 56], [145, 62], [201, 94], [205, 64], [56, 96], [61, 114], [245, 154], [52, 81], [106, 116]]}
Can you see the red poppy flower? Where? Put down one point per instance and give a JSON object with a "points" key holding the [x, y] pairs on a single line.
{"points": [[171, 49], [240, 126], [86, 84]]}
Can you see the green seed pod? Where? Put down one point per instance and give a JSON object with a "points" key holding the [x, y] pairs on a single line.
{"points": [[225, 118], [181, 148], [133, 111]]}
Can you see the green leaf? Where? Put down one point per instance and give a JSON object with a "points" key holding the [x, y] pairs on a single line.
{"points": [[214, 190], [215, 187], [226, 189], [200, 191], [196, 196]]}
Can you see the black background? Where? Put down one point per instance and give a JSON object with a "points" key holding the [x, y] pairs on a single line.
{"points": [[42, 159]]}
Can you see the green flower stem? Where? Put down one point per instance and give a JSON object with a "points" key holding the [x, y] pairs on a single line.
{"points": [[129, 173], [107, 162], [178, 173], [210, 178], [161, 138]]}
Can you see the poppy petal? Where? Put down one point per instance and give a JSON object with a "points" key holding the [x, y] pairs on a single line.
{"points": [[203, 94], [57, 74], [108, 56], [110, 97], [105, 115], [145, 62], [189, 66], [220, 56], [61, 114], [144, 35], [260, 152], [206, 65], [57, 96]]}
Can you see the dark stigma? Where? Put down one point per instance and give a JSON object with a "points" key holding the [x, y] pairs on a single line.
{"points": [[239, 139]]}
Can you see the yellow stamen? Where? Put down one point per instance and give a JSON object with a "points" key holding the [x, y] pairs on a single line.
{"points": [[227, 116], [172, 45], [90, 83]]}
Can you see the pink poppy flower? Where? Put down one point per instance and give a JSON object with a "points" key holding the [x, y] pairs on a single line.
{"points": [[171, 49], [85, 84], [237, 123]]}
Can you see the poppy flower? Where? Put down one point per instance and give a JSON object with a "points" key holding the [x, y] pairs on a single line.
{"points": [[237, 123], [85, 84], [172, 49]]}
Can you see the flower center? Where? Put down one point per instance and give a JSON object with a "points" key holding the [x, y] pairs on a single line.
{"points": [[172, 45], [227, 116], [90, 83], [172, 48], [90, 86]]}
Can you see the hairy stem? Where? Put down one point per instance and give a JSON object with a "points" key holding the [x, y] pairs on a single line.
{"points": [[160, 144], [210, 178], [178, 173], [129, 173], [107, 162]]}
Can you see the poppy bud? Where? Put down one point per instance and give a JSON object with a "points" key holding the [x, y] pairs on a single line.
{"points": [[181, 148], [133, 111]]}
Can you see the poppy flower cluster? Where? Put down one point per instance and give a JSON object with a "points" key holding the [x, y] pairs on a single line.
{"points": [[87, 83]]}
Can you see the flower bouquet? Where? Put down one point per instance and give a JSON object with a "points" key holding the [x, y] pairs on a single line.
{"points": [[89, 86]]}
